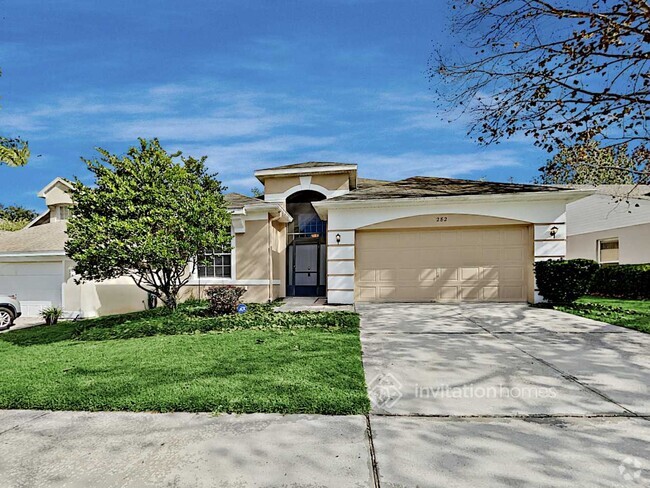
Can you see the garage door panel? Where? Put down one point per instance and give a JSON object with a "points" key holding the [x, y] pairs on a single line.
{"points": [[449, 293], [474, 264], [513, 255], [428, 274], [37, 284], [471, 274], [513, 274], [490, 273], [491, 237], [490, 293], [406, 275]]}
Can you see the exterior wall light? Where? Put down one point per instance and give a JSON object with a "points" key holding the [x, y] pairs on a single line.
{"points": [[338, 238], [553, 231]]}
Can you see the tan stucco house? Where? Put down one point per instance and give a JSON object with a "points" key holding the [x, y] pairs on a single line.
{"points": [[320, 230]]}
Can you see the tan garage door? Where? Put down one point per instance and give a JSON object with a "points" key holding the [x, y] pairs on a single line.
{"points": [[425, 265]]}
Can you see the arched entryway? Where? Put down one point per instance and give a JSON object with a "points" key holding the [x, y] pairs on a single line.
{"points": [[306, 246]]}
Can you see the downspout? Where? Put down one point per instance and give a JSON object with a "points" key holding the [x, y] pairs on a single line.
{"points": [[271, 256]]}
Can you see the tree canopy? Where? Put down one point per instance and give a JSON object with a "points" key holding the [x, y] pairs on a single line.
{"points": [[591, 164], [147, 216], [564, 72], [13, 151], [15, 217]]}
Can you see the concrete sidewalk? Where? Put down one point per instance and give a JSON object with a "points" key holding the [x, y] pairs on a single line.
{"points": [[79, 449]]}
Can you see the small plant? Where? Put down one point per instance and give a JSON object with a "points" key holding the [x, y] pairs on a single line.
{"points": [[564, 281], [224, 299], [51, 315]]}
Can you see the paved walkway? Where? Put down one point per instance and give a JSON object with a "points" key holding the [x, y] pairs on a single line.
{"points": [[464, 396]]}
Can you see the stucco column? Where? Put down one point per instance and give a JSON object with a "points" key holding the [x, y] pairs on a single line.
{"points": [[549, 246], [340, 266]]}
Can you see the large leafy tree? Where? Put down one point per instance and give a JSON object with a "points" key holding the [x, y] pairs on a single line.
{"points": [[15, 217], [147, 216], [591, 164], [564, 72], [13, 151]]}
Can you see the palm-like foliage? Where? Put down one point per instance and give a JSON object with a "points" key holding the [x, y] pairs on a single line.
{"points": [[13, 152]]}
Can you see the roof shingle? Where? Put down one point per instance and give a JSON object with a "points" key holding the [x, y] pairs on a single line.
{"points": [[46, 237], [308, 164], [426, 186]]}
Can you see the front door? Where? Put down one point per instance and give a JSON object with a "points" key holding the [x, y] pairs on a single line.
{"points": [[305, 268]]}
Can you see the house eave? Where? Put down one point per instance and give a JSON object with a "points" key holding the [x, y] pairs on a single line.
{"points": [[262, 174], [567, 196]]}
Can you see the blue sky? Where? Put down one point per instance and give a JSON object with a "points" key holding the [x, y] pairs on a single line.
{"points": [[250, 84]]}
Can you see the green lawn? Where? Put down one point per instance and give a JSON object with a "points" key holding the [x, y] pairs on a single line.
{"points": [[265, 367], [634, 314]]}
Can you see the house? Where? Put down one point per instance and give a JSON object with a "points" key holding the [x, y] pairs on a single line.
{"points": [[612, 226], [322, 231]]}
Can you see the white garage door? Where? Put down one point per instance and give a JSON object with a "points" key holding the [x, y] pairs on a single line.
{"points": [[37, 285], [426, 265]]}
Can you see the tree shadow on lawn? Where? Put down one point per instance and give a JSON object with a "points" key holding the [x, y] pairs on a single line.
{"points": [[39, 335]]}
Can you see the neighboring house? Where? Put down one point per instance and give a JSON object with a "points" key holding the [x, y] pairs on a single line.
{"points": [[322, 231], [612, 226]]}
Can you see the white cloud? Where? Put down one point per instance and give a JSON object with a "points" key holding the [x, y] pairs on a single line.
{"points": [[418, 163]]}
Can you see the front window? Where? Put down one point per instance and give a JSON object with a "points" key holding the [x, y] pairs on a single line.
{"points": [[608, 251], [215, 264]]}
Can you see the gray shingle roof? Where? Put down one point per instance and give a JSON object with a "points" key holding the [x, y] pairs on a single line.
{"points": [[237, 200], [308, 164], [426, 186], [46, 237]]}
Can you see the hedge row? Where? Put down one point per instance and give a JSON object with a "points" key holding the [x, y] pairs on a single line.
{"points": [[564, 281], [622, 281]]}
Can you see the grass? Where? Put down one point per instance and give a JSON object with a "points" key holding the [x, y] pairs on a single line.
{"points": [[633, 314], [264, 367]]}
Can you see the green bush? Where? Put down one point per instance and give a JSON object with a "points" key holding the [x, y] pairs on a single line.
{"points": [[564, 281], [224, 299], [194, 319], [623, 281]]}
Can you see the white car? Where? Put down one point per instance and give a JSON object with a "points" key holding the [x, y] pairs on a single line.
{"points": [[9, 310]]}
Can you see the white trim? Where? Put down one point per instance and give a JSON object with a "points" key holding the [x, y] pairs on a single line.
{"points": [[29, 254], [260, 174], [599, 250], [52, 183], [226, 281], [282, 197], [323, 206], [233, 267]]}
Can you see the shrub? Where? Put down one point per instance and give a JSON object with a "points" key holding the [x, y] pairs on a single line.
{"points": [[51, 315], [189, 320], [623, 281], [224, 299], [561, 281]]}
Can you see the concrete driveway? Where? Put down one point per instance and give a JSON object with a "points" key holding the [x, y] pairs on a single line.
{"points": [[505, 395], [464, 396]]}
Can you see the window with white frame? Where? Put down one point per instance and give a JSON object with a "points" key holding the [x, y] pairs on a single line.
{"points": [[608, 251], [64, 212], [214, 264]]}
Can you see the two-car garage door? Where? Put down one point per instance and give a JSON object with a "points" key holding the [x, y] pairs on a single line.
{"points": [[454, 264]]}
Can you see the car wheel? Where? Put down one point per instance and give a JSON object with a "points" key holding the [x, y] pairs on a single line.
{"points": [[6, 318]]}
